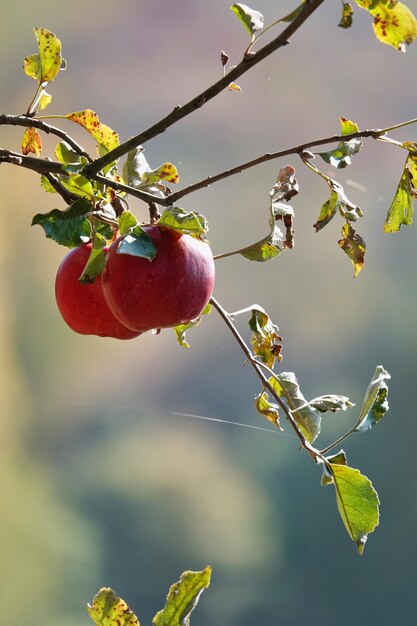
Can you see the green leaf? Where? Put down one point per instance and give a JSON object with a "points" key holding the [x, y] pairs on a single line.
{"points": [[354, 246], [137, 243], [357, 502], [189, 223], [108, 609], [79, 185], [96, 261], [65, 154], [267, 249], [32, 67], [46, 185], [306, 417], [265, 340], [182, 598], [401, 210], [104, 135], [341, 156], [394, 23], [268, 409], [252, 20], [127, 222], [331, 402], [45, 65], [347, 15], [375, 403], [340, 458], [338, 201], [69, 228], [181, 329]]}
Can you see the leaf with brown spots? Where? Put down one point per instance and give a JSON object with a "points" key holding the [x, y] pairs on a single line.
{"points": [[354, 246], [32, 142], [104, 135], [182, 599], [265, 340], [108, 609], [394, 23], [45, 65], [347, 15], [166, 171]]}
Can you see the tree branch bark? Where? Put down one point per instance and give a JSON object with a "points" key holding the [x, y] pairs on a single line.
{"points": [[30, 122], [179, 112]]}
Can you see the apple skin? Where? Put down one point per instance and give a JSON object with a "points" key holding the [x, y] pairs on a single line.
{"points": [[172, 289], [83, 306]]}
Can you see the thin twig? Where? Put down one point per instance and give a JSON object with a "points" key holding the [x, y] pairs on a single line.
{"points": [[315, 454], [29, 122], [270, 156], [67, 196], [142, 195], [179, 112]]}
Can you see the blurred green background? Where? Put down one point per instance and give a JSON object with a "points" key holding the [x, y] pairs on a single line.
{"points": [[103, 482]]}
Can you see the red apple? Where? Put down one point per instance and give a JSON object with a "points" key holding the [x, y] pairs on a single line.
{"points": [[172, 289], [83, 306]]}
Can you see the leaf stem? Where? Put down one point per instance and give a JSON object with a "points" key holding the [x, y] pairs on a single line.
{"points": [[287, 18], [338, 441]]}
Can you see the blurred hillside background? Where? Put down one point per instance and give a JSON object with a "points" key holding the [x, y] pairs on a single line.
{"points": [[103, 482]]}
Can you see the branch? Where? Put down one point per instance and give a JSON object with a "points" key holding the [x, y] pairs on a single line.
{"points": [[29, 122], [270, 156], [45, 167], [32, 163], [142, 195], [66, 195], [315, 454], [197, 102]]}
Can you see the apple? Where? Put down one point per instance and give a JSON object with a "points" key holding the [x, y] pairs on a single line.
{"points": [[83, 306], [172, 289]]}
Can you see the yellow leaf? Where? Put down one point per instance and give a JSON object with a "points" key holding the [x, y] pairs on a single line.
{"points": [[108, 609], [44, 99], [168, 172], [32, 67], [354, 246], [105, 136], [234, 87], [45, 65], [394, 25], [49, 52], [31, 142]]}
